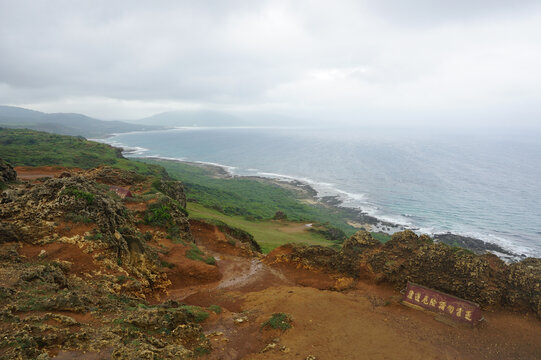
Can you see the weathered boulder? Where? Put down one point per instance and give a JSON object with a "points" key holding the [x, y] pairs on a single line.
{"points": [[169, 213], [7, 173], [173, 189], [524, 284], [360, 241], [48, 273], [111, 176]]}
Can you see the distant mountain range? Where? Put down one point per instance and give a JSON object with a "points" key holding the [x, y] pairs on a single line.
{"points": [[194, 118], [82, 125], [65, 123], [216, 119]]}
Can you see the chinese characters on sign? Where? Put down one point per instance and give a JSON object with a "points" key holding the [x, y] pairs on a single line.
{"points": [[456, 308]]}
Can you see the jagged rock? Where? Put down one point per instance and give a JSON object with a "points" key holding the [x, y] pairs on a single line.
{"points": [[111, 176], [484, 279], [62, 198], [475, 245], [48, 273], [7, 173], [9, 233], [173, 189], [168, 213], [524, 288], [147, 351], [158, 318], [360, 241]]}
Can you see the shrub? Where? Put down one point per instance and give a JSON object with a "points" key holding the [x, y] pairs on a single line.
{"points": [[158, 214], [216, 309], [77, 218], [78, 194], [198, 313], [278, 321], [194, 253], [166, 264], [95, 236], [331, 233]]}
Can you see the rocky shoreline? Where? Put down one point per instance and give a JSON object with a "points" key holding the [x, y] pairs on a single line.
{"points": [[359, 218]]}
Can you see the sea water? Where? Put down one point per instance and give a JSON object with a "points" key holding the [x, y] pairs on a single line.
{"points": [[485, 185]]}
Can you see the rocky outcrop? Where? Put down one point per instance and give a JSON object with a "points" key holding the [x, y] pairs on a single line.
{"points": [[7, 173], [111, 176], [485, 279], [68, 244], [524, 284], [32, 213], [466, 242], [168, 213], [173, 189]]}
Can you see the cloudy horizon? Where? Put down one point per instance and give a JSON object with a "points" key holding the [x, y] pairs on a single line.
{"points": [[356, 62]]}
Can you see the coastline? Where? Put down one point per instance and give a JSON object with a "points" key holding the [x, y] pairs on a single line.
{"points": [[357, 218]]}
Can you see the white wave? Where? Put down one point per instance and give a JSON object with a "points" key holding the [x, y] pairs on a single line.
{"points": [[510, 245], [347, 199], [126, 150], [228, 168]]}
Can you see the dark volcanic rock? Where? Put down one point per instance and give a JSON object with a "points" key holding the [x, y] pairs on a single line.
{"points": [[466, 242]]}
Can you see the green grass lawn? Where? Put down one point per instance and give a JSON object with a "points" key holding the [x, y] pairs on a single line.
{"points": [[269, 234]]}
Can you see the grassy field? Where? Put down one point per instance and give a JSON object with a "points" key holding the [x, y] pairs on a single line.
{"points": [[251, 199], [269, 234]]}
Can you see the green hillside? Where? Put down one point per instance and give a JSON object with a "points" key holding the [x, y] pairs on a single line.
{"points": [[23, 147]]}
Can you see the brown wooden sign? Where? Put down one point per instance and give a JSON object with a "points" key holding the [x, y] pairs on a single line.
{"points": [[438, 302]]}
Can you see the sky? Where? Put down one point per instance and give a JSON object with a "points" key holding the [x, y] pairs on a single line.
{"points": [[416, 62]]}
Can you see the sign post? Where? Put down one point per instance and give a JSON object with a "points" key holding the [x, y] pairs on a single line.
{"points": [[418, 296]]}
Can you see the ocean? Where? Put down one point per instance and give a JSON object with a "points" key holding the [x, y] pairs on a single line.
{"points": [[484, 185]]}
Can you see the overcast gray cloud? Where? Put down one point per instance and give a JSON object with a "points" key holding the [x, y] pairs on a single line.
{"points": [[418, 61]]}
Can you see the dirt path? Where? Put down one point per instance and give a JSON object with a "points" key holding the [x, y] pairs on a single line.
{"points": [[366, 322]]}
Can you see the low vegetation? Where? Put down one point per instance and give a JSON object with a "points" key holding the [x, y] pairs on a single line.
{"points": [[23, 147], [268, 234], [278, 321], [249, 198], [194, 253]]}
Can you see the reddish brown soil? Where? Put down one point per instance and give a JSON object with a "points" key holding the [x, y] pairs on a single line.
{"points": [[81, 262], [365, 322], [213, 239], [182, 271], [136, 206], [31, 173], [69, 229]]}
